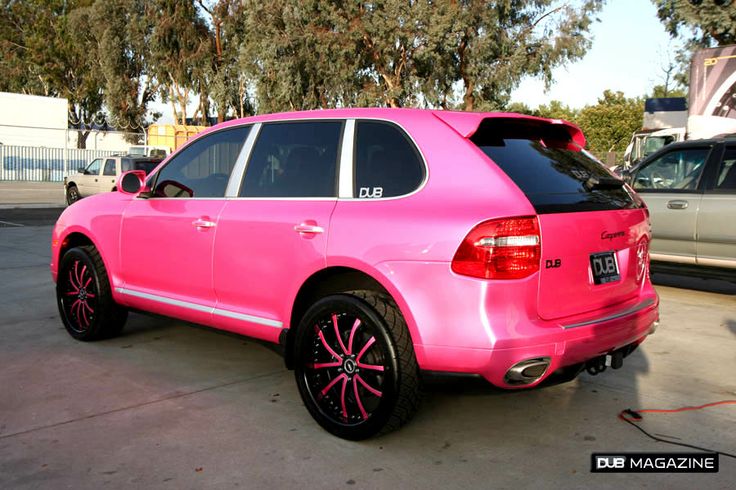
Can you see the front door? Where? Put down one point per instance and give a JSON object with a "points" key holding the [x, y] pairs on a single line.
{"points": [[88, 179], [167, 240], [670, 186]]}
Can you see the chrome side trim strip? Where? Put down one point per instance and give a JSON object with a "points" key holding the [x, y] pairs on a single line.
{"points": [[248, 318], [629, 311], [345, 182], [206, 309]]}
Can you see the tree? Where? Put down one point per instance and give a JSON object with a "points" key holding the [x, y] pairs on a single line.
{"points": [[178, 51], [469, 54], [45, 55], [701, 23], [121, 31], [708, 23], [227, 84], [609, 124]]}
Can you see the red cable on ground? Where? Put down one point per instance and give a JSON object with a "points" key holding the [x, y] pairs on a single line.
{"points": [[632, 416]]}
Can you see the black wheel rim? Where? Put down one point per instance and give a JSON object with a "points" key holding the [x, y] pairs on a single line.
{"points": [[346, 370], [78, 296], [73, 195]]}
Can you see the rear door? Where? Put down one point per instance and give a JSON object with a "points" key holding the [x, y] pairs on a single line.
{"points": [[594, 233], [716, 230], [274, 234], [671, 186], [109, 174]]}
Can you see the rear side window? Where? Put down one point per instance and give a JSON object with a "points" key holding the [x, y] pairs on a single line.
{"points": [[549, 168], [386, 162], [145, 165], [109, 167], [294, 159], [203, 168]]}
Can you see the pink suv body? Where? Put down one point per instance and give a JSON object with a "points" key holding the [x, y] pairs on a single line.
{"points": [[478, 243]]}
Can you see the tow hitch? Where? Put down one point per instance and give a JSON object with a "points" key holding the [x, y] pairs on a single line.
{"points": [[599, 364]]}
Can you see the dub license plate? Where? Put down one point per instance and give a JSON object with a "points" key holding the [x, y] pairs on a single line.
{"points": [[605, 267]]}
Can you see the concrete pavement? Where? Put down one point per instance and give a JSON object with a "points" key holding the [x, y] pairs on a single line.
{"points": [[169, 405], [31, 194]]}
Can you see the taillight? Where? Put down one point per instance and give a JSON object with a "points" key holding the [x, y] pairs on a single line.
{"points": [[506, 248]]}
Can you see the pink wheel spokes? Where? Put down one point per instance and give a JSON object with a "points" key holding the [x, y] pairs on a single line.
{"points": [[77, 299], [345, 372], [365, 348]]}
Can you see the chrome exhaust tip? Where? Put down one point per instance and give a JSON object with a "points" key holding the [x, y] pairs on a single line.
{"points": [[527, 372]]}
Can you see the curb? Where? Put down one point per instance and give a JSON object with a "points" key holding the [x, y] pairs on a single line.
{"points": [[32, 206]]}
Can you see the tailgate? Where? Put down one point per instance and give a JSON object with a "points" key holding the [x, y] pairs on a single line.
{"points": [[567, 285]]}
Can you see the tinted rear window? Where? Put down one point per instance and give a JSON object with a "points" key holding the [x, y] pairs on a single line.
{"points": [[548, 167], [145, 165]]}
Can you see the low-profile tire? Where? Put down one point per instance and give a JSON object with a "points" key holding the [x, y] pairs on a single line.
{"points": [[84, 297], [72, 195], [355, 365]]}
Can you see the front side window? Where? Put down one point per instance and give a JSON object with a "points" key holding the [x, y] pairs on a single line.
{"points": [[675, 170], [94, 167], [294, 159], [109, 167], [727, 173], [386, 162], [202, 169]]}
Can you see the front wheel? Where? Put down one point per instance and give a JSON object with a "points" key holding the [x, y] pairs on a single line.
{"points": [[84, 297], [72, 195], [355, 365]]}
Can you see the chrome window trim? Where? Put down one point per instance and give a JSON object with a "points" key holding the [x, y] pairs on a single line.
{"points": [[197, 307], [345, 168], [629, 311], [236, 176]]}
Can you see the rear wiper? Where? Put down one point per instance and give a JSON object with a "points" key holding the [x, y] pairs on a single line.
{"points": [[595, 182]]}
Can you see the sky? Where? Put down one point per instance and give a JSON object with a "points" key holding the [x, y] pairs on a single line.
{"points": [[630, 47]]}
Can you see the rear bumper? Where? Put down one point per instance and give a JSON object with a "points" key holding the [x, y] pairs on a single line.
{"points": [[564, 343]]}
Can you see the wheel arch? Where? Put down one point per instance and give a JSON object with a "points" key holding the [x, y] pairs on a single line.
{"points": [[334, 280]]}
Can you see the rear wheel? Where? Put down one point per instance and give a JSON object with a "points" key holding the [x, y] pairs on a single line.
{"points": [[355, 365], [84, 297], [72, 194]]}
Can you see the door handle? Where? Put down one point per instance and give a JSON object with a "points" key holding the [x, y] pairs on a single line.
{"points": [[203, 223], [307, 228], [677, 204]]}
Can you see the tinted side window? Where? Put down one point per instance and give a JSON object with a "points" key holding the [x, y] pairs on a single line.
{"points": [[675, 170], [294, 159], [203, 168], [109, 167], [727, 172], [386, 162]]}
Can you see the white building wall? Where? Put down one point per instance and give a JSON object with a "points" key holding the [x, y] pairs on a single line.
{"points": [[31, 120]]}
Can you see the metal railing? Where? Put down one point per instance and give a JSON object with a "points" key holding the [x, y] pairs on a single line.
{"points": [[40, 164]]}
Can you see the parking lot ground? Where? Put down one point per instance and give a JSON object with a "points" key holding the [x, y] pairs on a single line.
{"points": [[31, 194], [169, 405]]}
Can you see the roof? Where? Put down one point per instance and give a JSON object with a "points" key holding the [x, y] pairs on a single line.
{"points": [[464, 123]]}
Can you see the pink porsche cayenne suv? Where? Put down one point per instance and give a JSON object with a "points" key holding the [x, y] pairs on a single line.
{"points": [[375, 246]]}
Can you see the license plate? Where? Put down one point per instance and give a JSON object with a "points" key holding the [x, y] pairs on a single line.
{"points": [[604, 267]]}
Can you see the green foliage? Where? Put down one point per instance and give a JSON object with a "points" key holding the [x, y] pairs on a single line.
{"points": [[469, 54], [663, 91], [609, 124], [705, 23]]}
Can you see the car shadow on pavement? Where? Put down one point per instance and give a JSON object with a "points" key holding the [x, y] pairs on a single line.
{"points": [[691, 281]]}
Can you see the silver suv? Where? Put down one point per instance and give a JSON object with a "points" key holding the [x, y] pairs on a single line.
{"points": [[690, 189], [102, 173]]}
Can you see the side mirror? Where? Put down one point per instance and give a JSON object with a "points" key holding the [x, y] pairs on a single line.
{"points": [[81, 171], [132, 182]]}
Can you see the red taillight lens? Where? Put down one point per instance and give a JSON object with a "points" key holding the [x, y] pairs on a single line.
{"points": [[506, 248]]}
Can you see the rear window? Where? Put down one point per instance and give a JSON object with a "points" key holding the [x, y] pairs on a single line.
{"points": [[145, 165], [549, 168]]}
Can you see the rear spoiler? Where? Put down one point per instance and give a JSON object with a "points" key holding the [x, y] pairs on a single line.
{"points": [[467, 123]]}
